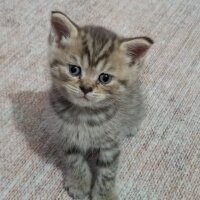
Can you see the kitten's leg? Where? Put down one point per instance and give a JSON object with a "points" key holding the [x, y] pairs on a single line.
{"points": [[78, 178], [104, 186]]}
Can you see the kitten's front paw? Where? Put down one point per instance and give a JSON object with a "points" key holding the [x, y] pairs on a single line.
{"points": [[110, 196], [78, 191]]}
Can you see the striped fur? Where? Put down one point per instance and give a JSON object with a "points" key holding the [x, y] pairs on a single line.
{"points": [[97, 121]]}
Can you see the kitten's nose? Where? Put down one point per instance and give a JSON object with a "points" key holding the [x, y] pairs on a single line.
{"points": [[85, 89]]}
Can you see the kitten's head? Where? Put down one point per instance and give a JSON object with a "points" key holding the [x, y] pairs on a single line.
{"points": [[92, 65]]}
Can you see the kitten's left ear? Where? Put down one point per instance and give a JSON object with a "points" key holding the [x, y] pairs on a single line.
{"points": [[136, 48], [62, 27]]}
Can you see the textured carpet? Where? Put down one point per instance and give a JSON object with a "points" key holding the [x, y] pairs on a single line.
{"points": [[162, 162]]}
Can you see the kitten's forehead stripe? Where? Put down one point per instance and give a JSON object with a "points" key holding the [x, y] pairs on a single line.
{"points": [[85, 60], [78, 60], [106, 53], [100, 65], [73, 58], [98, 44], [85, 50], [104, 48], [90, 44]]}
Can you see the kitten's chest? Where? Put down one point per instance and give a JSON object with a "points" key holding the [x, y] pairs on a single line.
{"points": [[84, 136], [89, 128]]}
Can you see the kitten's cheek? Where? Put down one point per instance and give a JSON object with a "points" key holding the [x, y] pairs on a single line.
{"points": [[70, 95], [98, 99]]}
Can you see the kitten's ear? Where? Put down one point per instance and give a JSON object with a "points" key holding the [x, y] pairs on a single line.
{"points": [[62, 28], [136, 48]]}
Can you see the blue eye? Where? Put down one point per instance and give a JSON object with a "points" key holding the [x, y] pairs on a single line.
{"points": [[74, 70], [105, 78]]}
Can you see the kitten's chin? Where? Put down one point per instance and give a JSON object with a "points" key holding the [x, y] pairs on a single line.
{"points": [[86, 102], [82, 102]]}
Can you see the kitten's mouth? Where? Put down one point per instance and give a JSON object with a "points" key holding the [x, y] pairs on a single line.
{"points": [[84, 98]]}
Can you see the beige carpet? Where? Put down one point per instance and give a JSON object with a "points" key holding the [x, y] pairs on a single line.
{"points": [[162, 162]]}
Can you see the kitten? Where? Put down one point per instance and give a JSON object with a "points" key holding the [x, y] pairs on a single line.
{"points": [[95, 92]]}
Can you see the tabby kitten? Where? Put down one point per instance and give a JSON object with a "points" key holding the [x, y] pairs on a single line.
{"points": [[95, 92]]}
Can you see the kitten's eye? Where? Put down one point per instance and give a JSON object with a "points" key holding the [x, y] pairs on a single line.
{"points": [[74, 70], [105, 78]]}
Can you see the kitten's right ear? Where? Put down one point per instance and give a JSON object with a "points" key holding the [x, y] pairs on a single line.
{"points": [[62, 28]]}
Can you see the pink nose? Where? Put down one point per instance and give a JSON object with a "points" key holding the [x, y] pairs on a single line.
{"points": [[85, 89]]}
